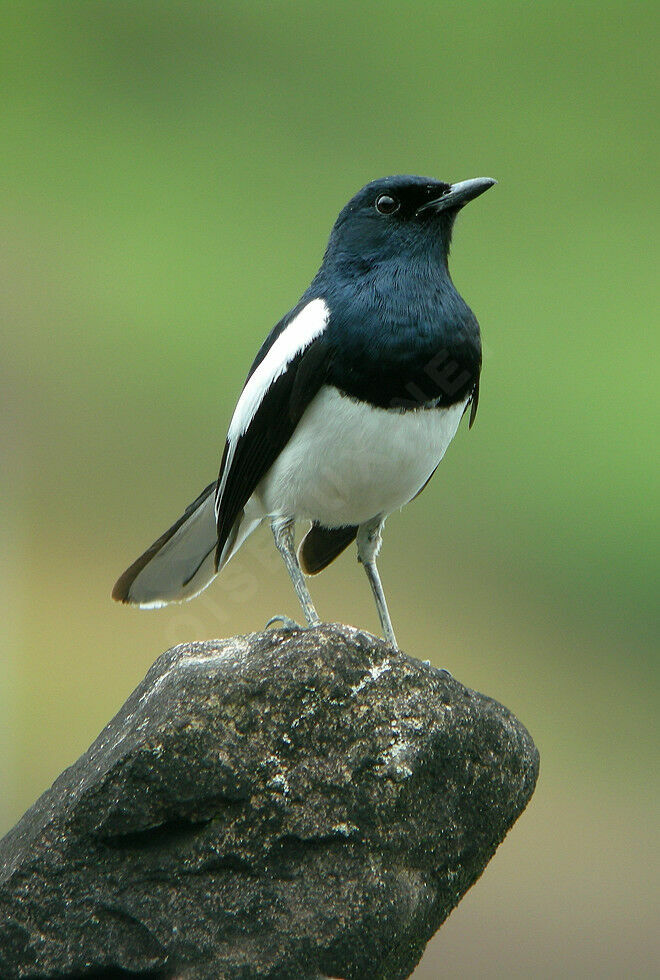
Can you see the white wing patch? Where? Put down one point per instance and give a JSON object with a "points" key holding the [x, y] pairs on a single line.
{"points": [[303, 329], [298, 335]]}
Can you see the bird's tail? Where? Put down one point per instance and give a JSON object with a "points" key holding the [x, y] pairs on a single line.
{"points": [[181, 563]]}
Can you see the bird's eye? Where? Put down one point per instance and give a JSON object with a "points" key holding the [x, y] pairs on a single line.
{"points": [[386, 204]]}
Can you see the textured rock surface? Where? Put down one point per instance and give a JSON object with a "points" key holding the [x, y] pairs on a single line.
{"points": [[286, 804]]}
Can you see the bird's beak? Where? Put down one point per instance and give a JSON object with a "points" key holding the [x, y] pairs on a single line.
{"points": [[459, 194]]}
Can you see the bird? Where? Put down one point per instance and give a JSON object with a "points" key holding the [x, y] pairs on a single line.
{"points": [[348, 407]]}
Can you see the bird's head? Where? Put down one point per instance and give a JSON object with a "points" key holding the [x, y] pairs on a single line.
{"points": [[401, 216]]}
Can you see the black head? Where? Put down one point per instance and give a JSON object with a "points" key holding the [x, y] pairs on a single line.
{"points": [[401, 215]]}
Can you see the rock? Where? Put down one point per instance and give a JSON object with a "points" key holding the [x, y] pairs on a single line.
{"points": [[305, 803]]}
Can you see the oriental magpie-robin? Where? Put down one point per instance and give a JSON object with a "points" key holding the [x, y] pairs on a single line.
{"points": [[348, 407]]}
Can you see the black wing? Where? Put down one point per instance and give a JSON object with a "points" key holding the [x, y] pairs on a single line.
{"points": [[321, 545], [273, 424], [474, 403]]}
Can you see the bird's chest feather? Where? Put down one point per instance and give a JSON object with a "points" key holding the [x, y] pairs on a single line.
{"points": [[404, 342], [349, 461]]}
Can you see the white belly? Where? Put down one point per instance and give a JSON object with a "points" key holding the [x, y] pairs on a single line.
{"points": [[348, 462]]}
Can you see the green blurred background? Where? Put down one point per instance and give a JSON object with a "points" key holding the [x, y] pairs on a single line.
{"points": [[170, 173]]}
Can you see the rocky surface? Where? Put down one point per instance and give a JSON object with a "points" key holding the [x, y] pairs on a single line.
{"points": [[285, 804]]}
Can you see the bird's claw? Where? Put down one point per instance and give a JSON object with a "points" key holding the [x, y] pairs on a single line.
{"points": [[286, 622]]}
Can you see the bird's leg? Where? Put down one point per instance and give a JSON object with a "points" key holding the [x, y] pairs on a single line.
{"points": [[368, 545], [283, 534]]}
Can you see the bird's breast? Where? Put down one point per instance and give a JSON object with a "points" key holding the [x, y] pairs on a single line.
{"points": [[348, 461], [406, 357]]}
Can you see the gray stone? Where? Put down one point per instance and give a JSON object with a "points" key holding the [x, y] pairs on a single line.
{"points": [[287, 804]]}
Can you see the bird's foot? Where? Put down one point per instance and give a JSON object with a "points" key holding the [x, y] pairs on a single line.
{"points": [[286, 622]]}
